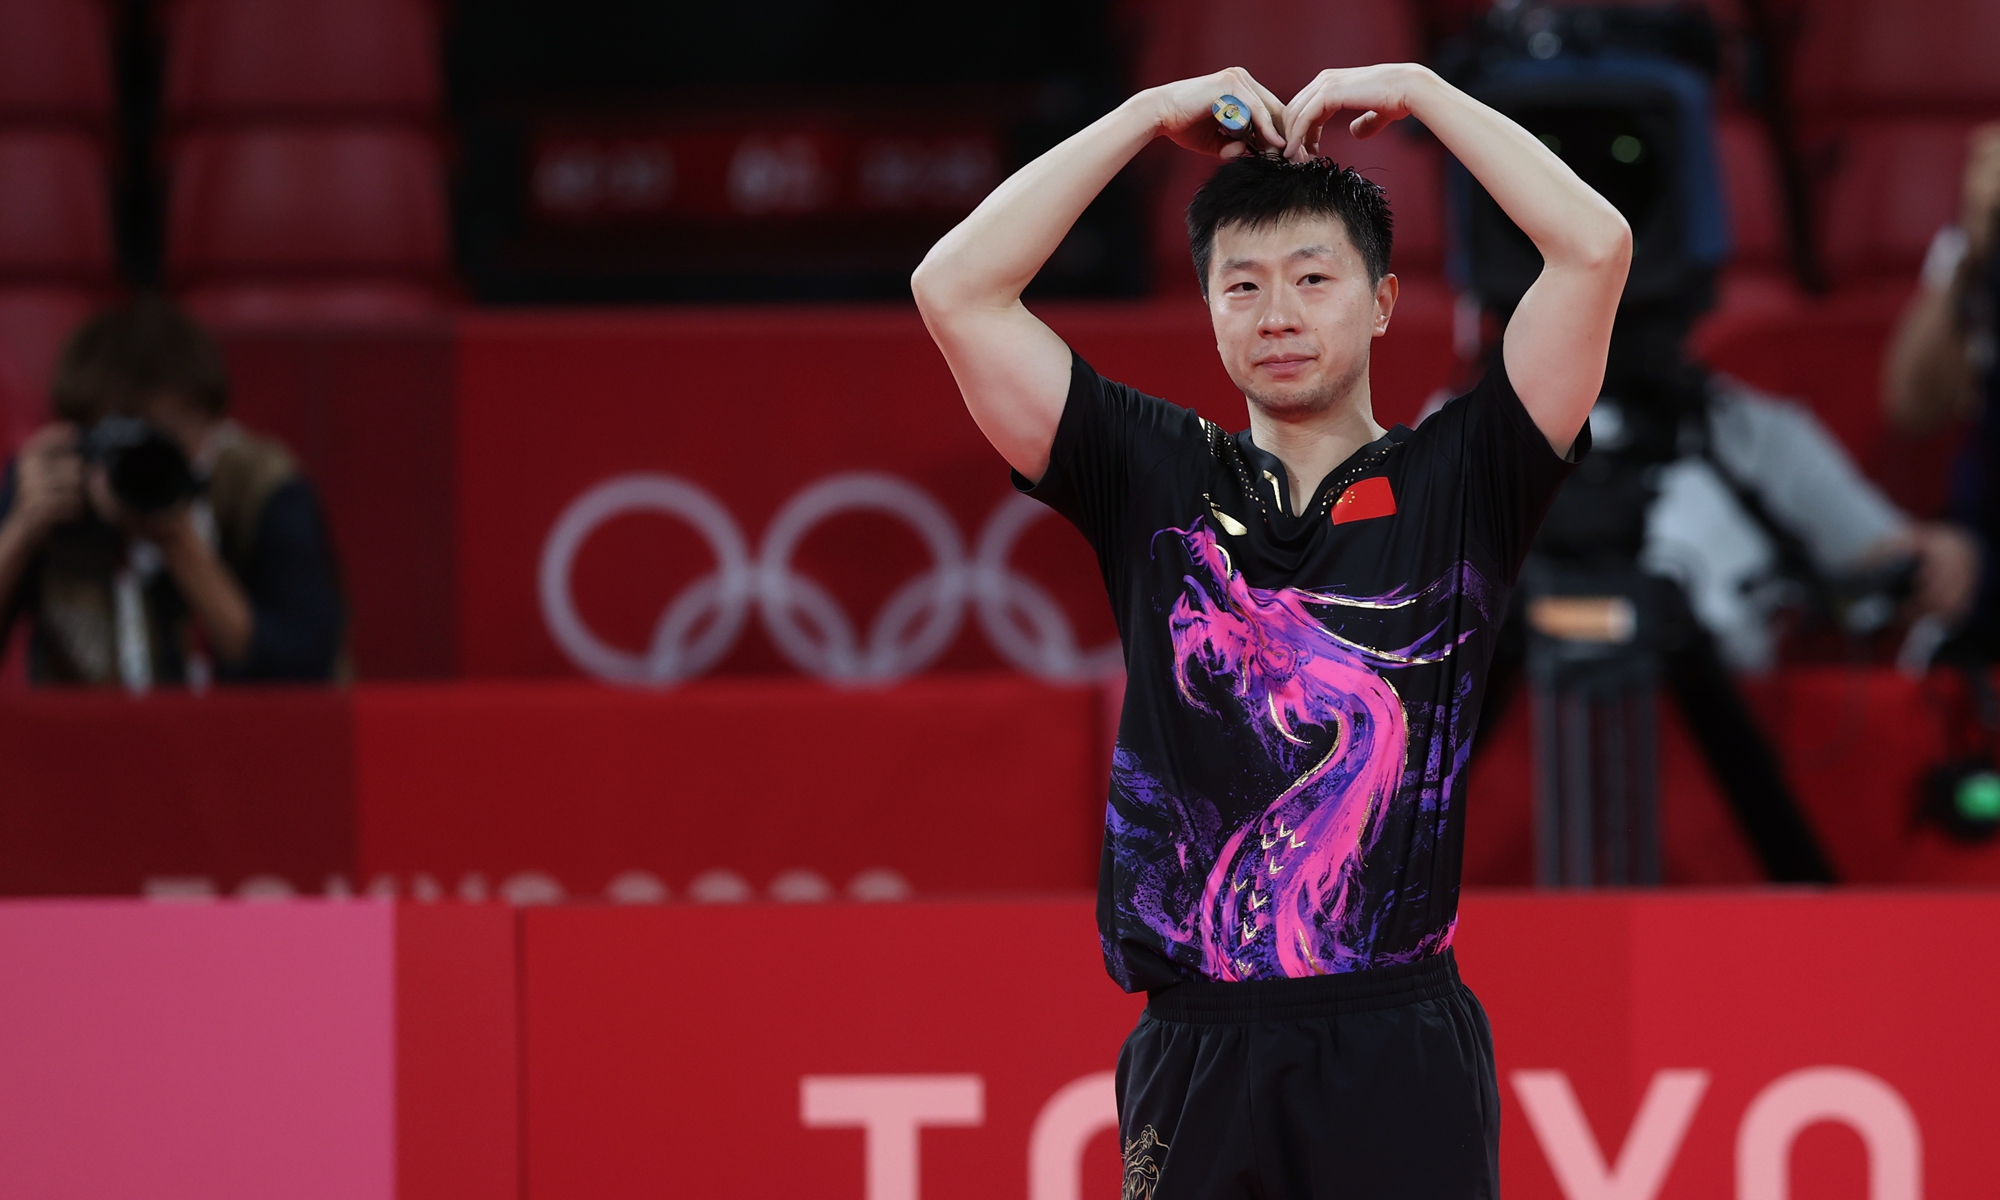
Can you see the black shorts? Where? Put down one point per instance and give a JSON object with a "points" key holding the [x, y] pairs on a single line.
{"points": [[1374, 1085]]}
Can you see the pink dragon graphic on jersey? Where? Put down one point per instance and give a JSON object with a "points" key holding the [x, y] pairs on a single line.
{"points": [[1282, 888]]}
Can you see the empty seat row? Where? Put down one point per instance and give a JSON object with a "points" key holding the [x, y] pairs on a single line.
{"points": [[228, 59], [286, 224], [1870, 56], [232, 60], [1882, 187], [308, 225], [282, 201], [55, 61]]}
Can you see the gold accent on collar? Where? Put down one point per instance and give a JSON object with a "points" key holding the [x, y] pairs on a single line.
{"points": [[1230, 525]]}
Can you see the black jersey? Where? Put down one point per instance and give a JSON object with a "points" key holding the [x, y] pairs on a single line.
{"points": [[1301, 691]]}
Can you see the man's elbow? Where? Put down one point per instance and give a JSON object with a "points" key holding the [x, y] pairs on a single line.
{"points": [[931, 285], [1608, 246]]}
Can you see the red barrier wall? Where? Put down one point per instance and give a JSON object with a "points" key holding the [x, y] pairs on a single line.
{"points": [[754, 405], [1670, 1042], [1770, 1008], [101, 792], [952, 784], [369, 414], [955, 786]]}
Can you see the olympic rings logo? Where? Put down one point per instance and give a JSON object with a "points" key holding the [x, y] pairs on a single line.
{"points": [[919, 621]]}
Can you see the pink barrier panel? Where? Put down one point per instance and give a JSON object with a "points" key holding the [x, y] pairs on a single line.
{"points": [[1677, 1047], [254, 1051], [206, 1052]]}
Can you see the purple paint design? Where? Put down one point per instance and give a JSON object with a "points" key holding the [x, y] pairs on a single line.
{"points": [[1283, 887]]}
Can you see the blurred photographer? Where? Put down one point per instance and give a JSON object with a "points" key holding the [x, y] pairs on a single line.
{"points": [[149, 539], [1770, 509], [1941, 368]]}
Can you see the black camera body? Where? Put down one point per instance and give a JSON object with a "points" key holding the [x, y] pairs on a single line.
{"points": [[147, 470]]}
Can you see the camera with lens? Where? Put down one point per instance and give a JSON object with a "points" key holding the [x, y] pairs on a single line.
{"points": [[147, 470]]}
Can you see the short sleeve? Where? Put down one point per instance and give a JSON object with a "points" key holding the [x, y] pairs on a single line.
{"points": [[1109, 437], [1509, 473]]}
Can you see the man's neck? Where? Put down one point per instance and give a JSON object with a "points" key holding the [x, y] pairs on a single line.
{"points": [[1313, 444]]}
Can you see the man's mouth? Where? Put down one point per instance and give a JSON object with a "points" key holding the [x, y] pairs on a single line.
{"points": [[1285, 366]]}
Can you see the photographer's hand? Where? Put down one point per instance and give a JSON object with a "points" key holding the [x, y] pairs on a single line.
{"points": [[1947, 570], [49, 483], [48, 490], [205, 581]]}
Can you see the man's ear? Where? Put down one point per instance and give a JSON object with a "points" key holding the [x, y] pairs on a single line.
{"points": [[1385, 302]]}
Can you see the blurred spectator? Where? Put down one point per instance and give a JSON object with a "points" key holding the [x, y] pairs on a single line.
{"points": [[1941, 364], [1775, 494], [151, 540]]}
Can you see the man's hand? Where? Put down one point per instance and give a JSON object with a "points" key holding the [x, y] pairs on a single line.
{"points": [[48, 482], [1947, 571], [205, 581], [1187, 113], [1379, 93], [1980, 205], [1947, 568]]}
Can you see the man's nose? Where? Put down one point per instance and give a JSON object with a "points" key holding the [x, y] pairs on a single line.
{"points": [[1280, 315]]}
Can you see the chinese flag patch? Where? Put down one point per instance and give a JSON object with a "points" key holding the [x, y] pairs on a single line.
{"points": [[1365, 499]]}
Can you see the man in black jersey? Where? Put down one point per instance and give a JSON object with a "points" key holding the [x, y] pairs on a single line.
{"points": [[1307, 609]]}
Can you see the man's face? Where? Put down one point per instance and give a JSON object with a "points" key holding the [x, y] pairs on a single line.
{"points": [[1294, 313]]}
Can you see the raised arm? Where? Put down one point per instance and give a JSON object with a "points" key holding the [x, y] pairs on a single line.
{"points": [[1929, 377], [1012, 369], [1556, 343]]}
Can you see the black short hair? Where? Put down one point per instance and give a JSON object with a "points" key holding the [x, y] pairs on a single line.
{"points": [[125, 357], [1262, 189]]}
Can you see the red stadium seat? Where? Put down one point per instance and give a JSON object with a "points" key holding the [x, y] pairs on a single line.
{"points": [[55, 219], [359, 302], [19, 412], [251, 59], [1752, 191], [291, 204], [1894, 182], [55, 60], [1860, 55], [34, 324], [1284, 43]]}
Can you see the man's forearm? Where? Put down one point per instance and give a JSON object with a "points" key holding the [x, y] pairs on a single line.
{"points": [[1566, 219], [213, 594], [18, 544], [1927, 379], [991, 256]]}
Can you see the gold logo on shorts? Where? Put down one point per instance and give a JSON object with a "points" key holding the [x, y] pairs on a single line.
{"points": [[1142, 1167]]}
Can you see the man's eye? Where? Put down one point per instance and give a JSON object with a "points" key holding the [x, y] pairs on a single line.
{"points": [[1245, 286], [1314, 279]]}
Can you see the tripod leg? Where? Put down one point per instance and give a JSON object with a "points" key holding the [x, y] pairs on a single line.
{"points": [[1743, 762]]}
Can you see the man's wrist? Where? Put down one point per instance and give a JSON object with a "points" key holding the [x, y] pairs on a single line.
{"points": [[179, 540], [1148, 107], [1420, 86]]}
